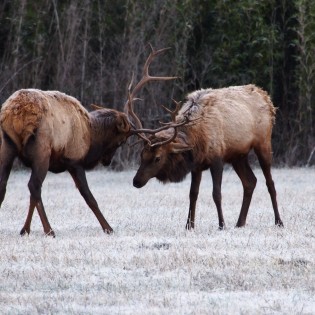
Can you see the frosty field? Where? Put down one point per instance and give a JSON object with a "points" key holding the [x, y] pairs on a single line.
{"points": [[151, 265]]}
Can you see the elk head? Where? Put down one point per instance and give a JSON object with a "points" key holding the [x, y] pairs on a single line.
{"points": [[163, 153], [163, 141], [110, 129]]}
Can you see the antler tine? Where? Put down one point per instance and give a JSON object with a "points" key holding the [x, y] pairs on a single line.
{"points": [[128, 106], [146, 77], [153, 54], [169, 140], [178, 106], [172, 112], [154, 131], [143, 137], [165, 126], [166, 141], [131, 81]]}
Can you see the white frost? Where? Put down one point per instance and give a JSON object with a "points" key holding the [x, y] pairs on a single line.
{"points": [[151, 265]]}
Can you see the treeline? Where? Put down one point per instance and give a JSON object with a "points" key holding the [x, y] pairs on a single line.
{"points": [[90, 48]]}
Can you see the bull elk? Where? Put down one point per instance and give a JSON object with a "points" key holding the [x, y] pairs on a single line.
{"points": [[212, 127], [51, 131]]}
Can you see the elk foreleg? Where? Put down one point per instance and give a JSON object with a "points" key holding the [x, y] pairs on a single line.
{"points": [[216, 170], [264, 158], [79, 177], [249, 180], [193, 195]]}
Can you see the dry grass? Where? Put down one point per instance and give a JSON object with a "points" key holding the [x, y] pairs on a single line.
{"points": [[151, 265]]}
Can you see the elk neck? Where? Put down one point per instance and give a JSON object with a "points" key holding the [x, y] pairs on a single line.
{"points": [[103, 145], [180, 164], [177, 168]]}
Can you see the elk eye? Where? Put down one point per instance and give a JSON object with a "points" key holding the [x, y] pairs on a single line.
{"points": [[157, 159]]}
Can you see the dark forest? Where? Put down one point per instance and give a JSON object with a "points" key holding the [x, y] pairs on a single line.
{"points": [[90, 49]]}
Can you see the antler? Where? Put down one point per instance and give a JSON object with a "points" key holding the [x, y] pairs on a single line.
{"points": [[172, 124], [145, 79], [138, 129], [172, 112]]}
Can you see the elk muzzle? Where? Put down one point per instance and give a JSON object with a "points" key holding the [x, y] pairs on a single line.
{"points": [[137, 183], [139, 180]]}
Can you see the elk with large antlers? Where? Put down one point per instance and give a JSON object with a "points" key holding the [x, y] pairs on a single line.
{"points": [[51, 131], [214, 126]]}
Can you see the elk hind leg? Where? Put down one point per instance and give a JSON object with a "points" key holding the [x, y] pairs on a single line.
{"points": [[35, 186], [264, 156], [8, 153], [249, 180], [27, 225], [38, 155]]}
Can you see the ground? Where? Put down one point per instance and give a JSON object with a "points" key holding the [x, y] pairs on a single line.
{"points": [[151, 264]]}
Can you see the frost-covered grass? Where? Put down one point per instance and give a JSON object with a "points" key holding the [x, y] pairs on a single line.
{"points": [[151, 265]]}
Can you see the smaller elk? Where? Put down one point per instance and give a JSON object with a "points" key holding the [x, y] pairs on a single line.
{"points": [[212, 127], [51, 131]]}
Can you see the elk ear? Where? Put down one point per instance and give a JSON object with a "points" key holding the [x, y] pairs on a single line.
{"points": [[180, 147], [96, 107], [122, 125]]}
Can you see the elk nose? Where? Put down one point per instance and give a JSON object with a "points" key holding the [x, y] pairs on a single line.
{"points": [[137, 183]]}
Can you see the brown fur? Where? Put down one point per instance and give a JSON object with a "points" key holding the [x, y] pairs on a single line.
{"points": [[230, 121], [49, 130], [225, 125], [55, 115]]}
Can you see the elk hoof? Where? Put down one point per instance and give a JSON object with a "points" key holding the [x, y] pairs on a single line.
{"points": [[190, 225], [109, 231], [222, 227], [189, 228], [25, 231], [279, 223], [240, 224], [51, 233]]}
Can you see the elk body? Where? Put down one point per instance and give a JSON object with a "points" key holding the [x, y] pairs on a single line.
{"points": [[219, 125], [51, 131]]}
